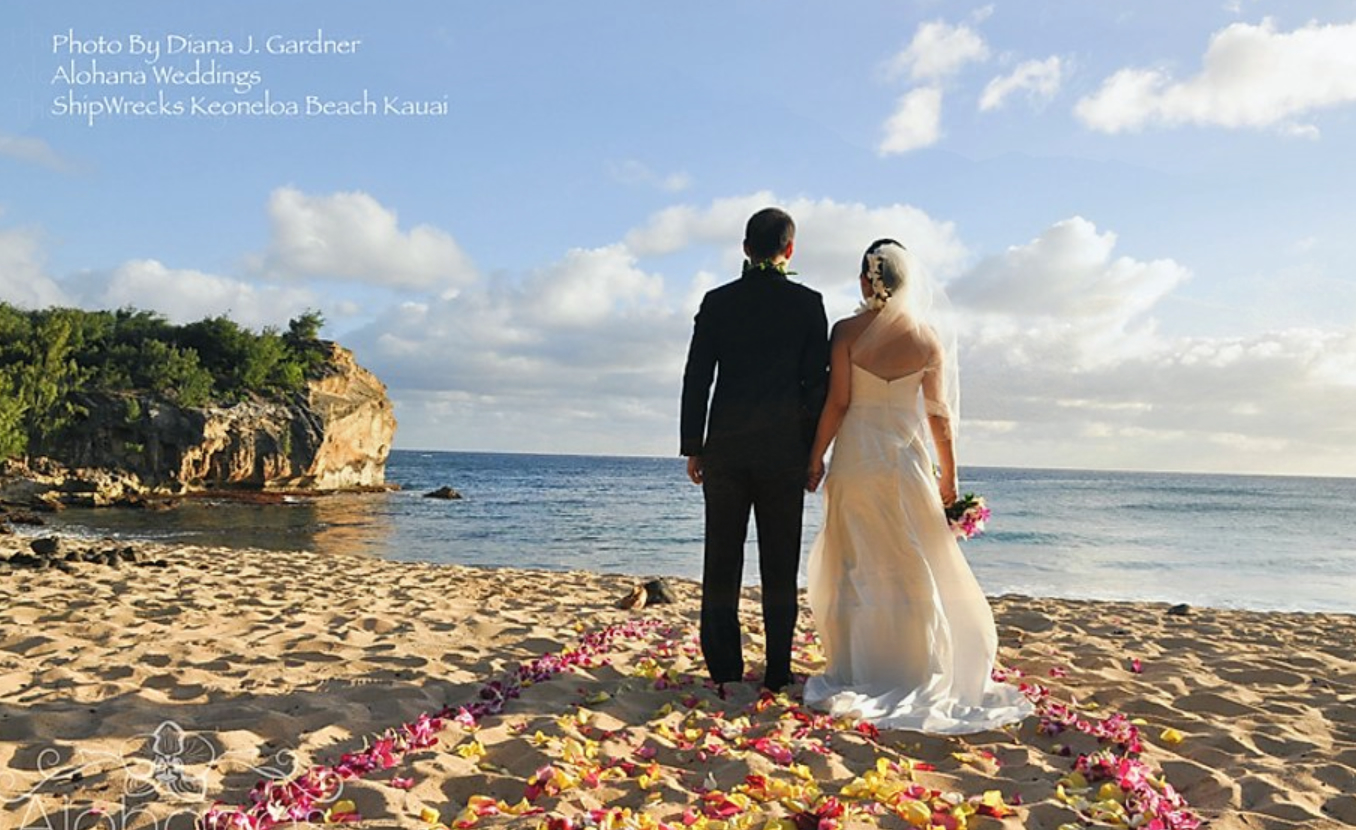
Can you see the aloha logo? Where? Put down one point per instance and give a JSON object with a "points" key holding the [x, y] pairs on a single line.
{"points": [[158, 781], [169, 770]]}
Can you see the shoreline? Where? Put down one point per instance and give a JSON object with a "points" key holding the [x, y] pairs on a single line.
{"points": [[22, 533], [252, 653]]}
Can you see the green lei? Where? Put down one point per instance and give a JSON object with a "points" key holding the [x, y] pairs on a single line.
{"points": [[767, 265]]}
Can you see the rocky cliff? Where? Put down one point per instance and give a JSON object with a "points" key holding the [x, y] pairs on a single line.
{"points": [[335, 435]]}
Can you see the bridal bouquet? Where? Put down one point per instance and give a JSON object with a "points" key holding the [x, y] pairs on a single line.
{"points": [[967, 516]]}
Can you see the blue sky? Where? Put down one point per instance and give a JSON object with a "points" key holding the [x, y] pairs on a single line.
{"points": [[1142, 209]]}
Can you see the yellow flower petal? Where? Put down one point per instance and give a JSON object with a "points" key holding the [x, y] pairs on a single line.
{"points": [[538, 739], [915, 813], [521, 808], [1075, 781], [1171, 737], [472, 749]]}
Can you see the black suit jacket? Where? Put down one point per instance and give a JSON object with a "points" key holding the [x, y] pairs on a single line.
{"points": [[764, 341]]}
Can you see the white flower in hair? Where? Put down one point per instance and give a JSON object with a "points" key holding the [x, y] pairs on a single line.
{"points": [[879, 293]]}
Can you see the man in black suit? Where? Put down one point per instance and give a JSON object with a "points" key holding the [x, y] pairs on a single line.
{"points": [[768, 337]]}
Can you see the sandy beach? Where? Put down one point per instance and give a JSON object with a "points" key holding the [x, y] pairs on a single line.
{"points": [[419, 696]]}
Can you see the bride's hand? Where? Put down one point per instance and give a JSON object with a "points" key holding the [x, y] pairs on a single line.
{"points": [[815, 474], [946, 488]]}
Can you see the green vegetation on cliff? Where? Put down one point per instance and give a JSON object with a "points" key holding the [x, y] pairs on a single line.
{"points": [[50, 358]]}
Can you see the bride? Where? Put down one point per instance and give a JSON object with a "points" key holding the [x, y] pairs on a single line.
{"points": [[908, 634]]}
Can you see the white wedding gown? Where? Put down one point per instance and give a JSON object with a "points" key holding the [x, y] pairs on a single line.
{"points": [[908, 634]]}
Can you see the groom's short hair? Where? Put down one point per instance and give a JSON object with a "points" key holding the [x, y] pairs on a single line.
{"points": [[768, 233]]}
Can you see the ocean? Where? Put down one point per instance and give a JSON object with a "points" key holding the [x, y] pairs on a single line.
{"points": [[1255, 542]]}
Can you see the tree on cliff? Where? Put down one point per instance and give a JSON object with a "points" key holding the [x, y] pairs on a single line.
{"points": [[50, 358], [303, 342], [41, 373]]}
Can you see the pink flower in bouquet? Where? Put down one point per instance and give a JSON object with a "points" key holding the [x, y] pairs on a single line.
{"points": [[967, 516]]}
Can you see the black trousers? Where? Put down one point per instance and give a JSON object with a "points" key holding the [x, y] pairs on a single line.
{"points": [[777, 498]]}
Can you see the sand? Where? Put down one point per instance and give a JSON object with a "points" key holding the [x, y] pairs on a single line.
{"points": [[138, 696]]}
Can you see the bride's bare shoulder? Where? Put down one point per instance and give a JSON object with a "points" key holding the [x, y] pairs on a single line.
{"points": [[850, 327]]}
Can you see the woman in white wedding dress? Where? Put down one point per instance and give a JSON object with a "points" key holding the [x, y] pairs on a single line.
{"points": [[907, 632]]}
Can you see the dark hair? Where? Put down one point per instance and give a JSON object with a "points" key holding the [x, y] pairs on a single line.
{"points": [[768, 233], [876, 246]]}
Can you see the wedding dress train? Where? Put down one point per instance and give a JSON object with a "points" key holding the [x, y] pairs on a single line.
{"points": [[908, 634]]}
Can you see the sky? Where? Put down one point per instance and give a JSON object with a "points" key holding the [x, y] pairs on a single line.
{"points": [[1142, 210]]}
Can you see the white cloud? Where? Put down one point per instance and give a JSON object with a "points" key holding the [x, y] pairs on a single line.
{"points": [[1307, 131], [581, 355], [1252, 76], [916, 122], [22, 279], [1040, 80], [351, 236], [720, 223], [1059, 349], [34, 151], [1068, 273], [588, 286], [632, 172], [938, 50], [186, 295], [1261, 404]]}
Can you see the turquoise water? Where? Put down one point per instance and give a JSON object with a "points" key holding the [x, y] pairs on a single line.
{"points": [[1260, 542]]}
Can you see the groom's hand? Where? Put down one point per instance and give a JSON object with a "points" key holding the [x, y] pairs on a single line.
{"points": [[694, 468]]}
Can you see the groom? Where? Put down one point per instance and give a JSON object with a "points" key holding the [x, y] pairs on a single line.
{"points": [[764, 341]]}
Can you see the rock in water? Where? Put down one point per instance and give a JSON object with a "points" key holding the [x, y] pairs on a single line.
{"points": [[143, 503], [443, 493]]}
